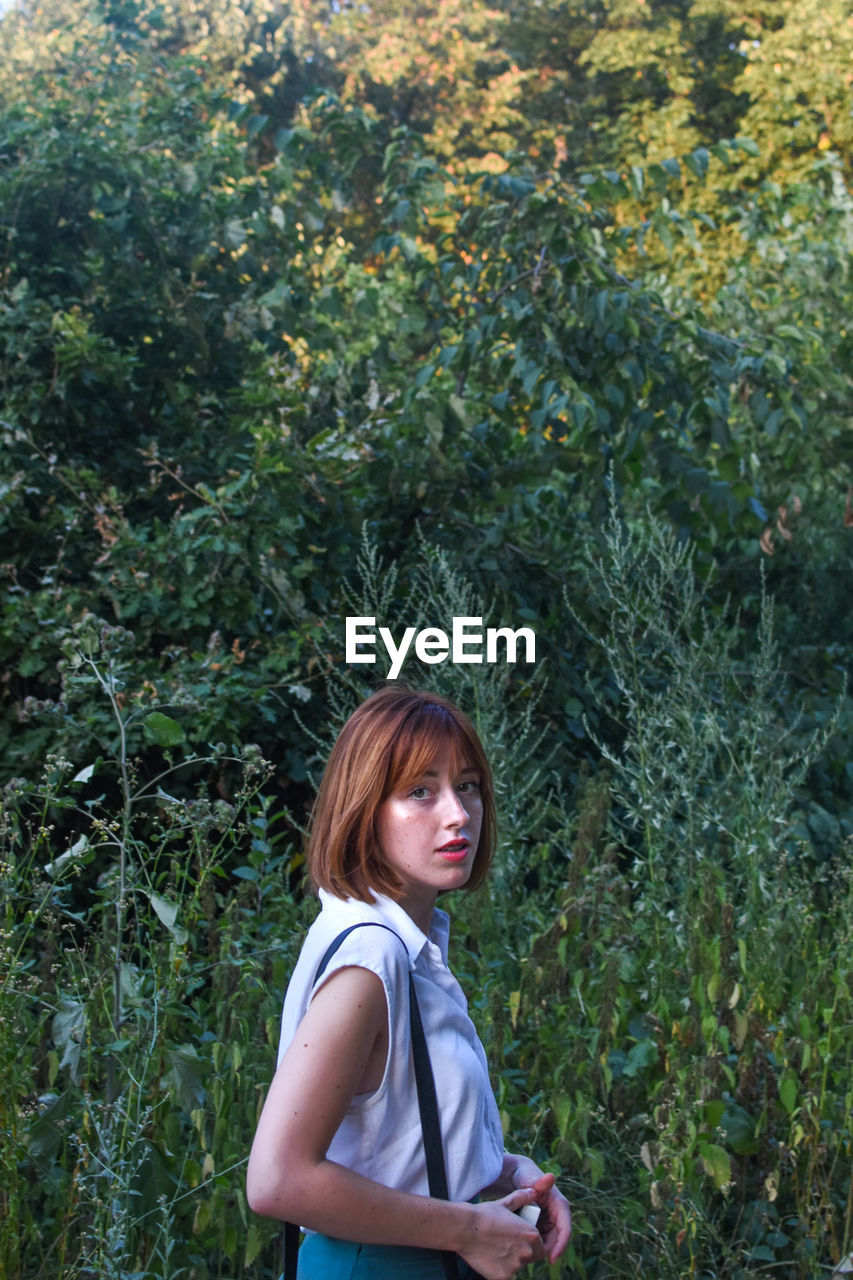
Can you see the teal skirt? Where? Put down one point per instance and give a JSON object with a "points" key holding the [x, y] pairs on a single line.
{"points": [[324, 1258]]}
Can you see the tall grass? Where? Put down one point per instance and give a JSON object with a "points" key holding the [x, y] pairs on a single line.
{"points": [[136, 988], [662, 983], [682, 1009]]}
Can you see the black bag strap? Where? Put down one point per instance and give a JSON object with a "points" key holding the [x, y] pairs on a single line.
{"points": [[430, 1123], [427, 1106]]}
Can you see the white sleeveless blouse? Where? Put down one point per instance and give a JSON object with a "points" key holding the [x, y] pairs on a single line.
{"points": [[380, 1135]]}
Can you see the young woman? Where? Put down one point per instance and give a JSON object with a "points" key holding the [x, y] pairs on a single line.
{"points": [[405, 812]]}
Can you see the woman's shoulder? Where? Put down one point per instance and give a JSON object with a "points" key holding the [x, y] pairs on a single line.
{"points": [[349, 931], [367, 941], [341, 937]]}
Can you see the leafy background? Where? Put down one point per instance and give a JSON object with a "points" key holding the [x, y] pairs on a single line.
{"points": [[534, 311]]}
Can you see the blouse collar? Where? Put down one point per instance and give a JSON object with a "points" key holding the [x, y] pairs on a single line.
{"points": [[398, 919]]}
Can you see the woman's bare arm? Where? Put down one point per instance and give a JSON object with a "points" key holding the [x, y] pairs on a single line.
{"points": [[290, 1177]]}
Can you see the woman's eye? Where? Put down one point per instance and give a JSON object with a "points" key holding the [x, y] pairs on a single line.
{"points": [[468, 785], [419, 793]]}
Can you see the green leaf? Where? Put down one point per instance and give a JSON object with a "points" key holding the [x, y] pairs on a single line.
{"points": [[168, 912], [163, 730], [641, 1055], [716, 1163], [254, 1242], [47, 1131], [697, 161], [714, 1112], [185, 1076], [739, 1128], [256, 125], [562, 1113], [68, 1031], [788, 1090]]}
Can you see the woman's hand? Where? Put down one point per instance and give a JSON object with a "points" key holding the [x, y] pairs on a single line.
{"points": [[555, 1223], [501, 1242]]}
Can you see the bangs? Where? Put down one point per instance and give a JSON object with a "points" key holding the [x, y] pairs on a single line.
{"points": [[424, 734], [392, 739]]}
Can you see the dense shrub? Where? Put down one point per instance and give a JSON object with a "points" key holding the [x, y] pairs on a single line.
{"points": [[665, 1018]]}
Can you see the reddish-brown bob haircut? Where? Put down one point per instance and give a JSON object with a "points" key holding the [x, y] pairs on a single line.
{"points": [[387, 743]]}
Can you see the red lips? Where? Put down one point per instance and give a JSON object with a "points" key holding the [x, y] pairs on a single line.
{"points": [[455, 850], [455, 846]]}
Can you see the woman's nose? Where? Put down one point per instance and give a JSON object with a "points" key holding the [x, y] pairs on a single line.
{"points": [[455, 812]]}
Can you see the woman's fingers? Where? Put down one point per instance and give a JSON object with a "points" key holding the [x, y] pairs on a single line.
{"points": [[543, 1184], [517, 1198], [503, 1243], [556, 1224]]}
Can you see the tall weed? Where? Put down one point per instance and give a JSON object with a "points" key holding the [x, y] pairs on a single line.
{"points": [[651, 969], [708, 955], [662, 983], [136, 978]]}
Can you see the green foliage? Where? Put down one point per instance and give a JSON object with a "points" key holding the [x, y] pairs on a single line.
{"points": [[148, 183], [649, 1016], [124, 1096], [663, 1029], [501, 698], [707, 763], [298, 321], [130, 487], [644, 1011], [678, 75]]}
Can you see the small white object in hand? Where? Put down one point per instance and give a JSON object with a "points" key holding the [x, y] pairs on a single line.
{"points": [[530, 1213]]}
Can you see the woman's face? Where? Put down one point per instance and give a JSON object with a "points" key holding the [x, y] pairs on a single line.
{"points": [[429, 831]]}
